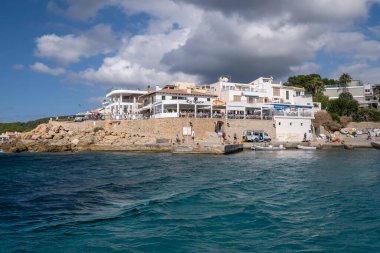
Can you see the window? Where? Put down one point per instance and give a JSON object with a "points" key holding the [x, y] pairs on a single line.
{"points": [[208, 99], [163, 97], [290, 123], [287, 95], [301, 124], [237, 98], [276, 91], [279, 123]]}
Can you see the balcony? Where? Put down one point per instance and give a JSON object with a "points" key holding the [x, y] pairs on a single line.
{"points": [[301, 114]]}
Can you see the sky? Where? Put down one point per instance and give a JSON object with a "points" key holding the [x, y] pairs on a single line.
{"points": [[60, 57]]}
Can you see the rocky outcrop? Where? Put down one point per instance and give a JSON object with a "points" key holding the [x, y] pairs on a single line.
{"points": [[55, 137]]}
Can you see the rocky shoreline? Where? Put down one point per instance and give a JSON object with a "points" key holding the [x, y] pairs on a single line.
{"points": [[126, 136], [53, 137]]}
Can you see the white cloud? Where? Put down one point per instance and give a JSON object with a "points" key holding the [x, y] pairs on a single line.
{"points": [[42, 68], [353, 45], [305, 68], [201, 39], [70, 48], [360, 71], [120, 72]]}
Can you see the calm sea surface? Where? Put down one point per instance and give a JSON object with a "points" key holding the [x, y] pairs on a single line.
{"points": [[287, 201]]}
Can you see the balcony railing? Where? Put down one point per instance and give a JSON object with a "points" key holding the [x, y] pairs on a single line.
{"points": [[293, 113]]}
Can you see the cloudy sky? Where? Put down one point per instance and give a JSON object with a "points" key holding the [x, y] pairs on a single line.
{"points": [[60, 57]]}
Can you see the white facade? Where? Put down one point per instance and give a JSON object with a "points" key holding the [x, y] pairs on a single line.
{"points": [[364, 94], [292, 129], [260, 98], [123, 104], [170, 103]]}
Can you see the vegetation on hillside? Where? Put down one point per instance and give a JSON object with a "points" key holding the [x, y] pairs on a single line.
{"points": [[340, 111], [313, 84], [22, 126]]}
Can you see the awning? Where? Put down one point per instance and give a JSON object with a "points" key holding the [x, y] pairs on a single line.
{"points": [[251, 96], [218, 102], [282, 106]]}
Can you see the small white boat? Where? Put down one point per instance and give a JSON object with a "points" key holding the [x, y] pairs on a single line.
{"points": [[267, 148], [306, 147]]}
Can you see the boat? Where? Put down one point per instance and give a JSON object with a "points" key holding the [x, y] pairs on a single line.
{"points": [[306, 147], [375, 145], [268, 148]]}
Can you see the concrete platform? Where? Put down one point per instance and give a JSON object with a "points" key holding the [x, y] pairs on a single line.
{"points": [[203, 148], [287, 145]]}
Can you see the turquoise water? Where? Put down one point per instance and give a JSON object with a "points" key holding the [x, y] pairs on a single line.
{"points": [[287, 201]]}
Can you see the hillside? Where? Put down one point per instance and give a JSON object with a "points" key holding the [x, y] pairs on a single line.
{"points": [[22, 126]]}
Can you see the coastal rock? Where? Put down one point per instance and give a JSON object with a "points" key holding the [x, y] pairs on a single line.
{"points": [[86, 140], [35, 137], [75, 142], [48, 136]]}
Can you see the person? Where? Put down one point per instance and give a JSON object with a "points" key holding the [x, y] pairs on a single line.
{"points": [[177, 139], [369, 137], [224, 136], [193, 135], [220, 134], [235, 138], [310, 136], [304, 137]]}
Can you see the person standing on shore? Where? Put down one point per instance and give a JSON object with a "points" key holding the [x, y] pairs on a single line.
{"points": [[193, 135]]}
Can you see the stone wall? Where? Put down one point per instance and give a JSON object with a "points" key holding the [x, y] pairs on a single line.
{"points": [[170, 127]]}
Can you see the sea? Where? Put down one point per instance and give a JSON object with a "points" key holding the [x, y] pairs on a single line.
{"points": [[253, 201]]}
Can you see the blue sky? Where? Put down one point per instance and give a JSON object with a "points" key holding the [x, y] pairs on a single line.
{"points": [[60, 57]]}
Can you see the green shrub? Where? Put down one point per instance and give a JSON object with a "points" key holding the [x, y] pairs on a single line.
{"points": [[97, 129]]}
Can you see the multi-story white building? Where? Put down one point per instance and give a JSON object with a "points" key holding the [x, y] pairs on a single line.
{"points": [[260, 99], [123, 104], [178, 100], [365, 94]]}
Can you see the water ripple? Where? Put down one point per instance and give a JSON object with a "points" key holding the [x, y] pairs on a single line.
{"points": [[249, 202]]}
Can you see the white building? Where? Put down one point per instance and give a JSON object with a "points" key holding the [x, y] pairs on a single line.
{"points": [[178, 100], [364, 94], [260, 99], [123, 104]]}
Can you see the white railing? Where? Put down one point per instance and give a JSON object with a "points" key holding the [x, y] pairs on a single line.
{"points": [[294, 113]]}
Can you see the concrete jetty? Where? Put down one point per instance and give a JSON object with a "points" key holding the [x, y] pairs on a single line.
{"points": [[204, 148]]}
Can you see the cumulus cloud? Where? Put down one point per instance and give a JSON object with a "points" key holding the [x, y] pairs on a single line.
{"points": [[305, 69], [70, 48], [117, 71], [42, 68], [352, 44], [290, 11], [360, 71], [202, 39]]}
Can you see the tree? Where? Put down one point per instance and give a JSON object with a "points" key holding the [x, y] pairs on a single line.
{"points": [[313, 83], [324, 100], [345, 105], [367, 114], [344, 79]]}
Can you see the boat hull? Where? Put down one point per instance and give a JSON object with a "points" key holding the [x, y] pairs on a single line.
{"points": [[306, 147], [267, 148]]}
